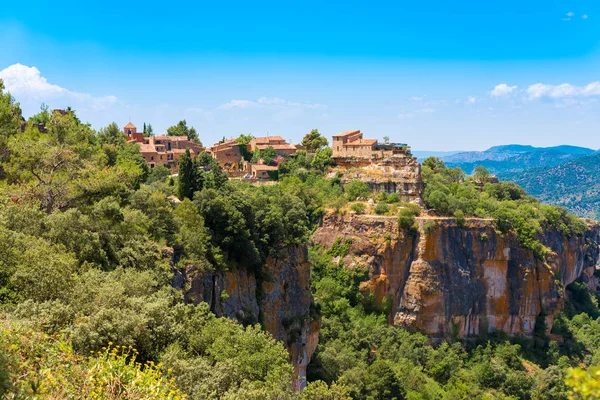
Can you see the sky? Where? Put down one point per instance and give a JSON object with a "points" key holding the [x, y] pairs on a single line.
{"points": [[436, 75]]}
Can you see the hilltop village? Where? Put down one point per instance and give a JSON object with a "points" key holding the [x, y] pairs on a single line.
{"points": [[386, 167]]}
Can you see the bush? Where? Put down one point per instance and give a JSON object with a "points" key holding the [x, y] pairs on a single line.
{"points": [[393, 198], [407, 214], [382, 208], [356, 189], [358, 208], [460, 218], [46, 367]]}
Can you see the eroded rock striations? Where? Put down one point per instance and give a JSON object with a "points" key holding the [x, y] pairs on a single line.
{"points": [[446, 281], [279, 298]]}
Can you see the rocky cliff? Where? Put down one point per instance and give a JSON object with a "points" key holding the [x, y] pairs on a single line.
{"points": [[398, 174], [446, 280], [279, 298]]}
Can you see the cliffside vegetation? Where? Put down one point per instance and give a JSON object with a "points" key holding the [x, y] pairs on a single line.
{"points": [[90, 238], [359, 349], [449, 192]]}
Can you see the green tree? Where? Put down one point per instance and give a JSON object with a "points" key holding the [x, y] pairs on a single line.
{"points": [[188, 177], [386, 139], [181, 129], [10, 120], [482, 174], [111, 134], [356, 189], [314, 141]]}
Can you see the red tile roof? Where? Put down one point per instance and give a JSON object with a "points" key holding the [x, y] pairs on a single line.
{"points": [[262, 167], [268, 139], [129, 125], [276, 146], [347, 133]]}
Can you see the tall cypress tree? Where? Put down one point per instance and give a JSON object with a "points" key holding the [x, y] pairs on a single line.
{"points": [[187, 176]]}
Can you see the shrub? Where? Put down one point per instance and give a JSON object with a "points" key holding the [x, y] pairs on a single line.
{"points": [[358, 208], [460, 218], [356, 189], [406, 216], [393, 198], [382, 208]]}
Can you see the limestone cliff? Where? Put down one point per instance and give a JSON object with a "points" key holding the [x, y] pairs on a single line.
{"points": [[446, 280], [398, 174], [279, 299]]}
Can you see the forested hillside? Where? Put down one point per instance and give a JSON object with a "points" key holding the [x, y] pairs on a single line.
{"points": [[504, 160], [573, 184], [90, 239]]}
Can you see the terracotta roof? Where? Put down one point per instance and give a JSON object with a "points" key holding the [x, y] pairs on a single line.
{"points": [[268, 139], [181, 151], [347, 133], [129, 125], [276, 146], [262, 167], [147, 148], [362, 142]]}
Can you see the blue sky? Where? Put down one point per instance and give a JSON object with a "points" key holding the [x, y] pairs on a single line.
{"points": [[436, 75]]}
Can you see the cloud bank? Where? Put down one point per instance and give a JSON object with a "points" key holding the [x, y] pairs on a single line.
{"points": [[27, 84]]}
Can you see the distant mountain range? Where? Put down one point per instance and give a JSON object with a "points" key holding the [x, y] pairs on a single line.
{"points": [[574, 184], [506, 160], [564, 175]]}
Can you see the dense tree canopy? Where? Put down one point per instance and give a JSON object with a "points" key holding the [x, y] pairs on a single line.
{"points": [[181, 129]]}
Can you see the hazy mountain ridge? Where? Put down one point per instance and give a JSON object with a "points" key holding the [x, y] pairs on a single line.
{"points": [[573, 184], [507, 159]]}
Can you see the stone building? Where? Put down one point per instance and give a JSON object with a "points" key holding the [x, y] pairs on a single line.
{"points": [[228, 154], [386, 167], [277, 142], [162, 150]]}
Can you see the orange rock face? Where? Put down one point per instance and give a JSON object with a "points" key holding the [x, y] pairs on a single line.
{"points": [[282, 304], [454, 281]]}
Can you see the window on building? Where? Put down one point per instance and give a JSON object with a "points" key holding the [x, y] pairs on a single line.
{"points": [[152, 158]]}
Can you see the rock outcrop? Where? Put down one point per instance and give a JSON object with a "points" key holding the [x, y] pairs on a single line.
{"points": [[446, 280], [398, 174], [279, 299]]}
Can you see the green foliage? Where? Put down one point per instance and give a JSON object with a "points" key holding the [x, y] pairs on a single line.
{"points": [[314, 141], [356, 189], [448, 192], [358, 208], [407, 214], [181, 129], [382, 208], [159, 173], [35, 365]]}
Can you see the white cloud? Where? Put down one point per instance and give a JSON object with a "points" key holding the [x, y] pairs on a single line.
{"points": [[471, 100], [27, 83], [268, 102], [565, 90], [570, 14], [584, 16], [502, 90]]}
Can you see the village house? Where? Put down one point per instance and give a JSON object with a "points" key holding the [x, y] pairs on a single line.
{"points": [[384, 167], [260, 171], [276, 142], [228, 154], [162, 150], [350, 144]]}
